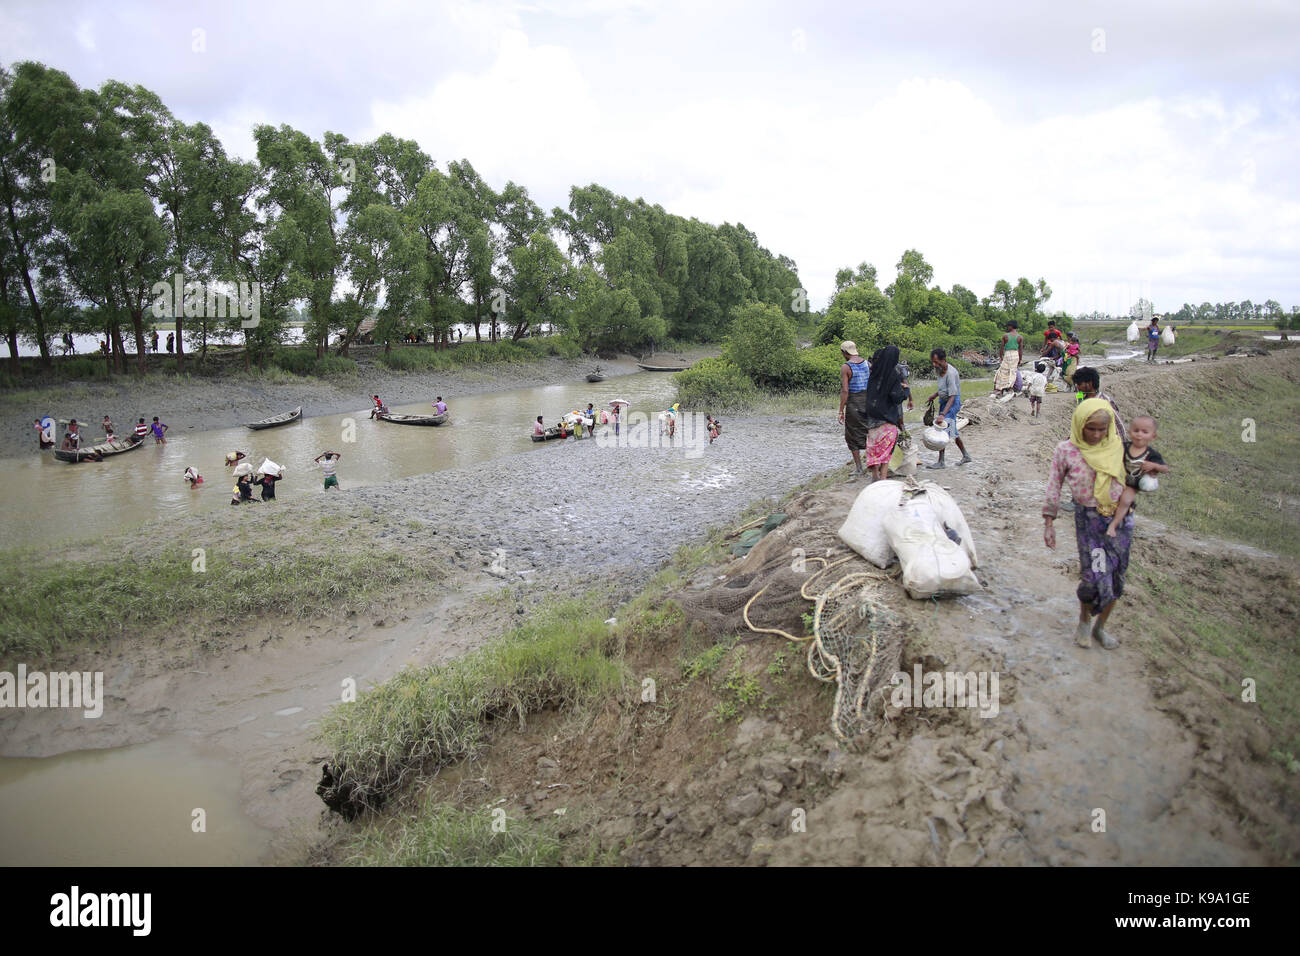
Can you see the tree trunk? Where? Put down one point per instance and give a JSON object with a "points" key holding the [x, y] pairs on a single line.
{"points": [[15, 366], [180, 344], [141, 353], [117, 348], [38, 317]]}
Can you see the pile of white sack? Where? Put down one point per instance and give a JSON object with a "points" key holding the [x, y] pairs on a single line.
{"points": [[921, 525]]}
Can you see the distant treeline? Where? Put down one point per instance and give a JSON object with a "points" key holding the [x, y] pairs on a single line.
{"points": [[1270, 311], [105, 194]]}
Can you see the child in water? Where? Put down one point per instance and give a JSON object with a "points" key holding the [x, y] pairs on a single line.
{"points": [[193, 478], [1141, 463]]}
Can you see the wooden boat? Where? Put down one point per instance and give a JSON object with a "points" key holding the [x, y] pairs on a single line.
{"points": [[103, 449], [552, 434], [660, 368], [412, 419], [274, 420], [595, 377]]}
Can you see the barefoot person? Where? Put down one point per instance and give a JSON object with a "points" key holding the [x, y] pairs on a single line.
{"points": [[1141, 464], [1153, 338], [1091, 462], [886, 392], [1013, 344], [855, 374], [949, 394]]}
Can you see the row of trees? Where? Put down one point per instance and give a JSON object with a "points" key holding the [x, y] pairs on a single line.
{"points": [[104, 194], [913, 314]]}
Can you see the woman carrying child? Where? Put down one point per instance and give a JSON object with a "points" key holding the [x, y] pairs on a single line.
{"points": [[1092, 463]]}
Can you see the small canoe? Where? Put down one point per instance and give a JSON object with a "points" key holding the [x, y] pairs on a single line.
{"points": [[274, 420], [551, 435], [104, 449], [594, 377], [661, 368], [413, 419]]}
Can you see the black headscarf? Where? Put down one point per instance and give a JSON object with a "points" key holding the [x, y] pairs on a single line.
{"points": [[885, 389]]}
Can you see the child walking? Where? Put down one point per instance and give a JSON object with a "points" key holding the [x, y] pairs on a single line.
{"points": [[1141, 462], [1036, 384]]}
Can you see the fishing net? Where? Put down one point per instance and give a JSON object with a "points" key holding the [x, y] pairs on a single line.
{"points": [[856, 642]]}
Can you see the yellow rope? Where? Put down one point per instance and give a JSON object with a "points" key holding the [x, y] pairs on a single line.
{"points": [[769, 630]]}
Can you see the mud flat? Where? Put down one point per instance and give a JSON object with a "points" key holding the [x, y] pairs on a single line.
{"points": [[733, 762]]}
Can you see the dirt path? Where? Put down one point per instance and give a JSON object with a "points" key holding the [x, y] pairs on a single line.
{"points": [[1085, 730], [1179, 768]]}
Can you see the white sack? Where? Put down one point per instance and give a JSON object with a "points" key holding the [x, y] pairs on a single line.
{"points": [[1133, 331], [243, 468], [1167, 336], [863, 530], [268, 467], [932, 563]]}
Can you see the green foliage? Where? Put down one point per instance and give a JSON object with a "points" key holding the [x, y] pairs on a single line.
{"points": [[816, 370], [761, 343], [303, 361], [83, 367], [715, 384], [468, 354]]}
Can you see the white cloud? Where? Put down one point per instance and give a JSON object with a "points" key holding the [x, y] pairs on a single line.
{"points": [[85, 35]]}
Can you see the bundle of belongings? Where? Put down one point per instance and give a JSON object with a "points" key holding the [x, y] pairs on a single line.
{"points": [[921, 525]]}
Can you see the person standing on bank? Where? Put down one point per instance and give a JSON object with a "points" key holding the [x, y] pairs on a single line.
{"points": [[1012, 345], [886, 391], [854, 376], [1091, 462], [949, 394]]}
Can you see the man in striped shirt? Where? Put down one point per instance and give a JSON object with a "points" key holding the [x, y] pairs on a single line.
{"points": [[328, 466]]}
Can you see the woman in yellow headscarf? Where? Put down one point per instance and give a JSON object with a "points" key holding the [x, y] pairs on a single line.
{"points": [[1092, 463]]}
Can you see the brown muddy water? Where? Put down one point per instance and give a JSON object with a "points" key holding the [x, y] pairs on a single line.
{"points": [[49, 500], [128, 806]]}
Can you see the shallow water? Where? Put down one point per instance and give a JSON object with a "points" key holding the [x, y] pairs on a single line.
{"points": [[128, 806], [49, 500]]}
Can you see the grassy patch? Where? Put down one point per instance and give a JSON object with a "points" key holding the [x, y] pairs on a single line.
{"points": [[51, 604], [1224, 650], [471, 354], [1222, 486], [441, 835], [425, 718]]}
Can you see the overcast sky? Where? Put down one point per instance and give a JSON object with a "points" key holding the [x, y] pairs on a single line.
{"points": [[1115, 149]]}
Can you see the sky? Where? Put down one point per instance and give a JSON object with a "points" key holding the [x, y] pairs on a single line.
{"points": [[1115, 149]]}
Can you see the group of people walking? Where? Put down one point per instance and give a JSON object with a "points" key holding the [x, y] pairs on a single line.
{"points": [[872, 394], [1104, 464]]}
